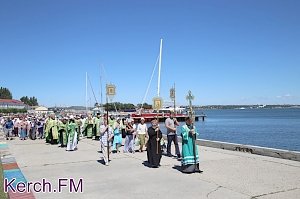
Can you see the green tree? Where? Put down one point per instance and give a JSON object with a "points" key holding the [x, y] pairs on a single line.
{"points": [[145, 106], [13, 110], [25, 100], [5, 93], [31, 101], [119, 106]]}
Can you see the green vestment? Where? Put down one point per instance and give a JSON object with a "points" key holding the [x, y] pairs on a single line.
{"points": [[88, 126], [71, 131], [51, 126], [188, 156], [63, 128], [97, 123]]}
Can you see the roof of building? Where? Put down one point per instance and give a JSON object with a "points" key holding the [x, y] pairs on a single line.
{"points": [[41, 108], [11, 101]]}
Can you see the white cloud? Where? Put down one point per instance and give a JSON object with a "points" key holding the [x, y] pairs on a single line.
{"points": [[286, 96]]}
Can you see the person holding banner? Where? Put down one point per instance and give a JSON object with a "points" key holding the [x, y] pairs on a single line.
{"points": [[190, 156], [106, 135]]}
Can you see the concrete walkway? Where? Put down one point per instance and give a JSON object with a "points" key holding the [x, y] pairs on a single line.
{"points": [[227, 174]]}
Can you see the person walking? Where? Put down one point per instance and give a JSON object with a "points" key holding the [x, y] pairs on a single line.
{"points": [[142, 133], [190, 157], [8, 125], [117, 135], [23, 127], [72, 134], [51, 130], [153, 145], [129, 140], [105, 140], [171, 124]]}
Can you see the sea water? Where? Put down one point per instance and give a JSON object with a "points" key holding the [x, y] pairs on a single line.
{"points": [[274, 128]]}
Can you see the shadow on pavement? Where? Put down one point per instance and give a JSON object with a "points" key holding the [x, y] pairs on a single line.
{"points": [[177, 167], [101, 161], [146, 164]]}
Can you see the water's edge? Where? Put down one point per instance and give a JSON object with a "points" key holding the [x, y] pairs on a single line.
{"points": [[264, 151]]}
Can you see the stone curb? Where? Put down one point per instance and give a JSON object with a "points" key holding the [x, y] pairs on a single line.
{"points": [[264, 151]]}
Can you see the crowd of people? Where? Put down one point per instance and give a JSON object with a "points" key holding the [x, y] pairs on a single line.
{"points": [[67, 130], [23, 127]]}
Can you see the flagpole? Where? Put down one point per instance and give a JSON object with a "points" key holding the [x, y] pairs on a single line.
{"points": [[107, 128]]}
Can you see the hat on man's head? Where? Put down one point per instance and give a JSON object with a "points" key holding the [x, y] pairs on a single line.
{"points": [[143, 118]]}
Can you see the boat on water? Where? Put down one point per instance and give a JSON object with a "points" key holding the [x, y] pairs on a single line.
{"points": [[162, 115], [180, 113]]}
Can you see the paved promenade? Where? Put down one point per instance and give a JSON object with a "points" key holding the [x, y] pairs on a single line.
{"points": [[227, 174]]}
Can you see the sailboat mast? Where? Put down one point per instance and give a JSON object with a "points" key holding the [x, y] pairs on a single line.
{"points": [[101, 88], [159, 68], [86, 95]]}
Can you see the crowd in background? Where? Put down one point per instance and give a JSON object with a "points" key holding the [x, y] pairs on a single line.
{"points": [[54, 129]]}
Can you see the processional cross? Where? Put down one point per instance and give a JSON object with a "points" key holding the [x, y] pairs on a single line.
{"points": [[190, 97]]}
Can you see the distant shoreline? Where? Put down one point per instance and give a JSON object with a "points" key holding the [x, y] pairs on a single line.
{"points": [[241, 107], [207, 107]]}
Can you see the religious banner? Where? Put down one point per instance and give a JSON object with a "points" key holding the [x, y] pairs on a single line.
{"points": [[110, 89], [157, 103], [172, 93]]}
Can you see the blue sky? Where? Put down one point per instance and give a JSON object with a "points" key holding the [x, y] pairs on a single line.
{"points": [[225, 52]]}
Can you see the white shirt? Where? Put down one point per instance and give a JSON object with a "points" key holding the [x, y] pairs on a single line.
{"points": [[142, 129], [104, 136]]}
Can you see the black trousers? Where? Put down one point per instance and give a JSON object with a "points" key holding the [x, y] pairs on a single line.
{"points": [[175, 140]]}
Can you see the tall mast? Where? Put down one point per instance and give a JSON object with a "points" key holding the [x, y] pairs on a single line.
{"points": [[101, 87], [86, 95], [159, 68]]}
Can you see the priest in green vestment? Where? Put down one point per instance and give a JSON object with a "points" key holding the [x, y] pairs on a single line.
{"points": [[51, 130], [97, 123], [63, 128], [72, 140], [190, 156], [88, 126]]}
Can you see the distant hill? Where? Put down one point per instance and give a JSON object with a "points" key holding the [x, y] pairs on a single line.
{"points": [[69, 107]]}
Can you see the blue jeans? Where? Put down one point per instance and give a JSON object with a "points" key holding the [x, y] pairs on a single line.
{"points": [[175, 140]]}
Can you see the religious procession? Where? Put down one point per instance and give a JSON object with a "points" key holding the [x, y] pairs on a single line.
{"points": [[114, 134]]}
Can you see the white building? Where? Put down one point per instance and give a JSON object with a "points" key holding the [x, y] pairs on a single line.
{"points": [[11, 103]]}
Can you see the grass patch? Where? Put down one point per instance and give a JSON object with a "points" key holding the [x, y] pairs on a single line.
{"points": [[2, 194]]}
